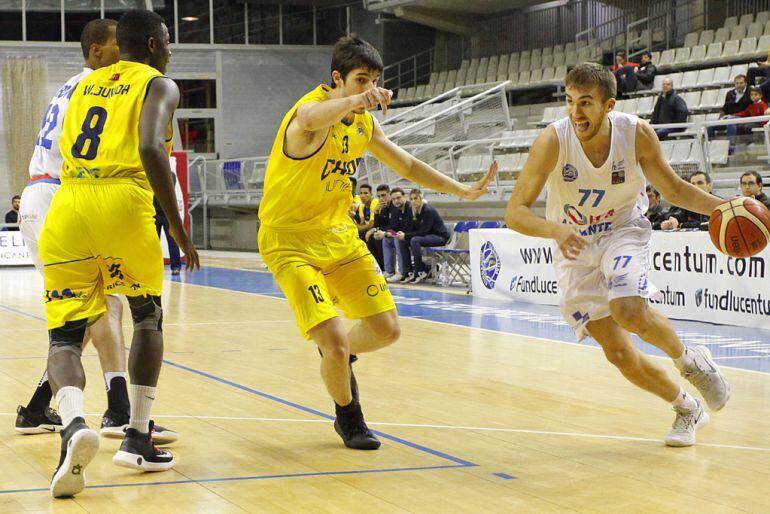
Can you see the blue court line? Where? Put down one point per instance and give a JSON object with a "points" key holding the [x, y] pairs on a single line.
{"points": [[318, 413], [506, 476], [241, 479]]}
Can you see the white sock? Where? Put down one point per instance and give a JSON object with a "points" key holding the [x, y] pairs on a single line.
{"points": [[141, 405], [70, 402], [684, 400], [685, 360], [113, 374]]}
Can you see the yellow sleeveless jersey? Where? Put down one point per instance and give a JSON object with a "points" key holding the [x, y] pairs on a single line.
{"points": [[100, 135], [314, 192]]}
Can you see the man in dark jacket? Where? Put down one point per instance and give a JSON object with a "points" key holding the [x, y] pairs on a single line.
{"points": [[683, 219], [398, 265], [736, 100], [751, 185], [645, 73], [424, 229], [670, 108], [374, 235], [656, 214]]}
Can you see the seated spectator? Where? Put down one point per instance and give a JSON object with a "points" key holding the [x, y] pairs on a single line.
{"points": [[736, 100], [758, 107], [682, 219], [751, 185], [424, 229], [365, 214], [645, 73], [670, 108], [761, 71], [12, 216], [395, 256], [356, 202], [655, 213], [381, 219], [624, 73]]}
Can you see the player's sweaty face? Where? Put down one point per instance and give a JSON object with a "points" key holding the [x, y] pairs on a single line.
{"points": [[586, 110]]}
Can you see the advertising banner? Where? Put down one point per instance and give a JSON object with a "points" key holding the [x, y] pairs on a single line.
{"points": [[13, 252], [698, 282]]}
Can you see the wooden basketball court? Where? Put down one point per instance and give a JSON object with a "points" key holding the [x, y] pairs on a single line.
{"points": [[472, 419]]}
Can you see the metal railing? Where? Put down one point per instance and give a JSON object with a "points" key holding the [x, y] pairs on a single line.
{"points": [[408, 72]]}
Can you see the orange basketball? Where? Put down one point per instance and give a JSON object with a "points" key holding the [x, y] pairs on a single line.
{"points": [[740, 227]]}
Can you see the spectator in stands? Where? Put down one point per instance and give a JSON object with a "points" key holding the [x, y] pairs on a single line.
{"points": [[365, 213], [625, 74], [645, 73], [670, 108], [682, 219], [375, 234], [761, 71], [751, 185], [757, 107], [655, 213], [736, 100], [356, 199], [12, 216], [424, 229], [394, 266]]}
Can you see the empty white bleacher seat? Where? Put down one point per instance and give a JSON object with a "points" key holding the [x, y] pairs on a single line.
{"points": [[558, 49], [698, 54], [748, 47], [522, 161], [513, 78], [481, 70], [755, 30], [667, 147], [560, 74], [714, 52], [570, 58], [667, 58], [705, 77], [709, 100], [536, 77], [524, 65], [464, 64], [468, 164], [548, 50], [461, 74], [508, 162], [523, 80], [746, 19], [738, 33], [559, 59], [689, 80], [680, 152], [722, 35], [631, 106], [706, 37], [691, 39], [763, 44], [655, 57], [548, 75], [738, 69], [525, 54], [691, 98], [657, 83], [645, 106], [721, 76], [762, 17], [719, 151], [696, 153], [546, 61], [730, 49], [570, 47], [682, 56], [676, 78]]}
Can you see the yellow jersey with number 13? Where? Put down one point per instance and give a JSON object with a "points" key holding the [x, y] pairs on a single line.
{"points": [[314, 192], [100, 135]]}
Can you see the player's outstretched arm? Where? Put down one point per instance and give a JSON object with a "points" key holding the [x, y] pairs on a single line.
{"points": [[673, 188], [159, 105], [315, 116], [417, 171], [519, 216]]}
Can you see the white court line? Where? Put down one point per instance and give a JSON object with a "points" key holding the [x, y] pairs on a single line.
{"points": [[733, 357], [255, 322], [452, 427]]}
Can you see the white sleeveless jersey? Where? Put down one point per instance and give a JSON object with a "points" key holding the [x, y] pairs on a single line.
{"points": [[47, 159], [597, 200]]}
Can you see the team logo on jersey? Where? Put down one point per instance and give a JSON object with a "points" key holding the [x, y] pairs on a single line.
{"points": [[360, 130], [490, 265], [619, 172], [115, 76], [569, 173]]}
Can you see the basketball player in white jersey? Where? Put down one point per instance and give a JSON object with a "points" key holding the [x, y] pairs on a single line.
{"points": [[595, 165], [99, 44]]}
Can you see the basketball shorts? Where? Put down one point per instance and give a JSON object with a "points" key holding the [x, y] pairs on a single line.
{"points": [[98, 238], [322, 269], [35, 201], [614, 266]]}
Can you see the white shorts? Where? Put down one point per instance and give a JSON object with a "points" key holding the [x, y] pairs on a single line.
{"points": [[614, 266], [35, 201]]}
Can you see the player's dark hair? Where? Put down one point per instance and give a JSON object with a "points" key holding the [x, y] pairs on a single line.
{"points": [[590, 74], [365, 185], [135, 27], [696, 173], [754, 174], [96, 32], [352, 52], [383, 187]]}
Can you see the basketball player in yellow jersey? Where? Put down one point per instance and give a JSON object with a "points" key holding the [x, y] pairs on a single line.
{"points": [[307, 238], [99, 236]]}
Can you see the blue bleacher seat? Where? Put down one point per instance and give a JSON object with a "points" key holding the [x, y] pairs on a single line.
{"points": [[231, 172]]}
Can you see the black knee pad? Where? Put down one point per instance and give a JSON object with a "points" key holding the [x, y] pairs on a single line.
{"points": [[146, 312], [68, 337]]}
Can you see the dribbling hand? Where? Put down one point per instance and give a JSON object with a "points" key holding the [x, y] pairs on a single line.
{"points": [[184, 242], [376, 96], [570, 242], [481, 187]]}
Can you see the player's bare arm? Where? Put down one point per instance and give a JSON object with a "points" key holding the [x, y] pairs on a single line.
{"points": [[311, 123], [417, 171], [159, 105], [519, 215], [663, 178]]}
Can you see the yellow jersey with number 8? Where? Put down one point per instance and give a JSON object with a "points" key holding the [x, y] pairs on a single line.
{"points": [[100, 135], [315, 191]]}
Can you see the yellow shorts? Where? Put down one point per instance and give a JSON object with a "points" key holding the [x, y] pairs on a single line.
{"points": [[98, 237], [320, 269]]}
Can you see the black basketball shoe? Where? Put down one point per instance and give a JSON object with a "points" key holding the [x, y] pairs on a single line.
{"points": [[114, 425], [138, 452], [79, 445], [351, 427], [31, 422]]}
